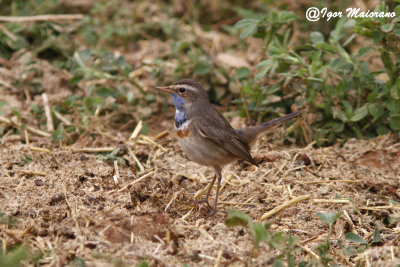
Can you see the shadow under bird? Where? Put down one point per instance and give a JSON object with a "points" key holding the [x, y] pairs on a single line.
{"points": [[205, 136]]}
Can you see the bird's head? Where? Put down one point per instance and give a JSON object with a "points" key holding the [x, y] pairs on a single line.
{"points": [[184, 91]]}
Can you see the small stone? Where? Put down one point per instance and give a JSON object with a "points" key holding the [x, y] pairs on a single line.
{"points": [[57, 198]]}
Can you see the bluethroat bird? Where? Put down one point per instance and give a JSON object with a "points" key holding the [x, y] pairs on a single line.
{"points": [[205, 136]]}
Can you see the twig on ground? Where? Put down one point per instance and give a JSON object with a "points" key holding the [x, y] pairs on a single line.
{"points": [[49, 119], [26, 136], [184, 217], [148, 140], [161, 135], [137, 130], [284, 205], [130, 152], [62, 118], [237, 203], [137, 181], [173, 198], [309, 251], [219, 256], [378, 208], [93, 149], [42, 18], [116, 175], [338, 201], [201, 192], [330, 181], [34, 172], [29, 128], [40, 149]]}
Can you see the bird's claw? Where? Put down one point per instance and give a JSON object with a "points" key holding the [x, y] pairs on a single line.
{"points": [[212, 213], [201, 201]]}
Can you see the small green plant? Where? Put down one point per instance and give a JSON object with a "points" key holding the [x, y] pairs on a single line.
{"points": [[329, 218], [260, 232], [13, 257], [338, 86], [359, 244], [78, 262], [142, 264], [10, 221]]}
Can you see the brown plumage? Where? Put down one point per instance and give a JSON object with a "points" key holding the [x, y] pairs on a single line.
{"points": [[210, 139]]}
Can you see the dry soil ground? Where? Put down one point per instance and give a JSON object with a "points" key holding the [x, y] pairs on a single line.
{"points": [[70, 204]]}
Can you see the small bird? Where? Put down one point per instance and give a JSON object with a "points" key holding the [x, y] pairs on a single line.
{"points": [[205, 136]]}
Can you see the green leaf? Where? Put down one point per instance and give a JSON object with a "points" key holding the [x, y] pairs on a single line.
{"points": [[342, 116], [27, 160], [278, 241], [258, 232], [250, 27], [375, 109], [76, 79], [337, 127], [292, 241], [261, 73], [392, 105], [387, 27], [242, 73], [317, 37], [14, 257], [35, 108], [142, 264], [236, 217], [377, 37], [394, 124], [201, 68], [377, 237], [352, 237], [382, 130], [278, 263], [363, 51], [58, 135], [286, 17], [91, 102], [249, 31], [263, 63], [329, 217], [244, 23], [78, 262], [360, 113]]}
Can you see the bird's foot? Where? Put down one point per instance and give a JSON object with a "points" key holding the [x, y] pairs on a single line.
{"points": [[212, 213], [201, 201]]}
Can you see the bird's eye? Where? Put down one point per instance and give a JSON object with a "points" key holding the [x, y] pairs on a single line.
{"points": [[181, 90]]}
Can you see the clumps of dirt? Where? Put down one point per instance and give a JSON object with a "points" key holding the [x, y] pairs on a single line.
{"points": [[72, 204]]}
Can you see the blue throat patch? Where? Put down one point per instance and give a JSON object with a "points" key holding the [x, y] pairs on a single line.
{"points": [[180, 116]]}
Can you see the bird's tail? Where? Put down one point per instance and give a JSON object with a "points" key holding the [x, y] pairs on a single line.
{"points": [[250, 134]]}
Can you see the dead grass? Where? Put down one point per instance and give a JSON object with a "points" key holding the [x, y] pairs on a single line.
{"points": [[68, 205]]}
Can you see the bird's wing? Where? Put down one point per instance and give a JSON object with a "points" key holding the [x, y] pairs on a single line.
{"points": [[217, 129]]}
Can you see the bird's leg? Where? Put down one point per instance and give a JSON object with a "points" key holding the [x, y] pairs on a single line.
{"points": [[218, 175], [205, 200]]}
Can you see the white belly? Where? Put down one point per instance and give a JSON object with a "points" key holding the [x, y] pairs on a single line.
{"points": [[204, 151]]}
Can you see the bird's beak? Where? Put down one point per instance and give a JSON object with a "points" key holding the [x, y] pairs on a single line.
{"points": [[168, 89]]}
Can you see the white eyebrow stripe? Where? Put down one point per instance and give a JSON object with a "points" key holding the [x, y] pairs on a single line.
{"points": [[187, 87]]}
